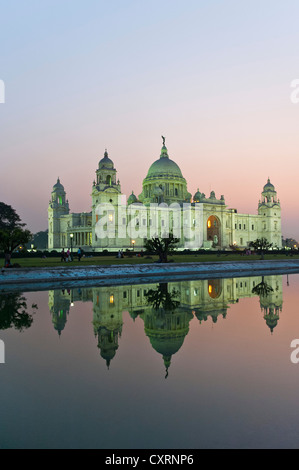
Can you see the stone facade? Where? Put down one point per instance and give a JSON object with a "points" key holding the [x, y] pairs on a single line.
{"points": [[164, 206]]}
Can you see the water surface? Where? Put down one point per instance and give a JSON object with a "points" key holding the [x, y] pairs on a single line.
{"points": [[190, 364]]}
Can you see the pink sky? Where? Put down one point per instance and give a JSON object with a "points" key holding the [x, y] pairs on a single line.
{"points": [[90, 79]]}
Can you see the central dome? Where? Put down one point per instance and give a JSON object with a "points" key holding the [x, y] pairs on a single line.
{"points": [[164, 182], [164, 167]]}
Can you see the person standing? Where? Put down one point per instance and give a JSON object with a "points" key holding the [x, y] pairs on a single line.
{"points": [[62, 255], [68, 256]]}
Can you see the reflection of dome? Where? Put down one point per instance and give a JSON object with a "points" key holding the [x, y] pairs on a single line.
{"points": [[271, 321], [106, 162], [108, 343], [167, 346], [164, 167]]}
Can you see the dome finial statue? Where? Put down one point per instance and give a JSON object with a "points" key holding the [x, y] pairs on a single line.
{"points": [[163, 138]]}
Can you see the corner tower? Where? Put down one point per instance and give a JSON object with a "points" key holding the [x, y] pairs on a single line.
{"points": [[269, 211], [106, 191], [58, 206]]}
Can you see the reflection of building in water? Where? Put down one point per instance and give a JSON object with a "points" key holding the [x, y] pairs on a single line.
{"points": [[166, 327], [59, 306], [166, 322], [271, 303], [107, 320], [60, 303]]}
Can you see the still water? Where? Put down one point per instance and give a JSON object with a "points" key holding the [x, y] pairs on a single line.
{"points": [[186, 365]]}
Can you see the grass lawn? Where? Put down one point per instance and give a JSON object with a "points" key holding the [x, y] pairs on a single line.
{"points": [[108, 260]]}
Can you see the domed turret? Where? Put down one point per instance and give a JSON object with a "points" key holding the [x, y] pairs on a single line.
{"points": [[58, 186], [269, 195], [269, 186], [197, 196], [132, 199], [105, 175], [106, 162]]}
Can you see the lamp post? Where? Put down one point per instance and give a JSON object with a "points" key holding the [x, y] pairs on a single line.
{"points": [[71, 237], [133, 243]]}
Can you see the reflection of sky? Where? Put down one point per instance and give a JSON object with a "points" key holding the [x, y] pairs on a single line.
{"points": [[213, 77], [231, 384]]}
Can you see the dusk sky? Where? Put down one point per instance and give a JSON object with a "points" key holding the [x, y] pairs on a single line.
{"points": [[213, 77]]}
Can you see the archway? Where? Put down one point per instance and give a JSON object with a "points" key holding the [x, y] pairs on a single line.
{"points": [[215, 288], [214, 230]]}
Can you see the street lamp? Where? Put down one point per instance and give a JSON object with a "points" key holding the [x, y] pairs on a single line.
{"points": [[133, 243], [71, 237]]}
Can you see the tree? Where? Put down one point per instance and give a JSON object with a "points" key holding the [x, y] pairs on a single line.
{"points": [[12, 231], [261, 245], [161, 246], [13, 312], [262, 289], [162, 298]]}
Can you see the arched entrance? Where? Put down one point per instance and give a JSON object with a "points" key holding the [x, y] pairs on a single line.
{"points": [[215, 288], [214, 230]]}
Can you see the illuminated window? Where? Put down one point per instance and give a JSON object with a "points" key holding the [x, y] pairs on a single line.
{"points": [[111, 299], [209, 224], [210, 289], [110, 217]]}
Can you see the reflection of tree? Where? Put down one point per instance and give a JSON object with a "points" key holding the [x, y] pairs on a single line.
{"points": [[162, 298], [262, 289], [13, 312]]}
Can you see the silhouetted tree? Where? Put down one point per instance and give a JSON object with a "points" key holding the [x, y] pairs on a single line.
{"points": [[262, 289], [13, 312], [161, 246], [162, 298], [261, 245], [12, 232]]}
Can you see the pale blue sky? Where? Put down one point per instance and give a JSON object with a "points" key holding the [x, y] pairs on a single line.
{"points": [[213, 76]]}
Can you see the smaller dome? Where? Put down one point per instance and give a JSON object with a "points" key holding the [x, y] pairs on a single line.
{"points": [[132, 199], [197, 196], [269, 186], [58, 186], [106, 162]]}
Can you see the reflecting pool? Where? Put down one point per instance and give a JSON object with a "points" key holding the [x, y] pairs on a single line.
{"points": [[178, 365]]}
